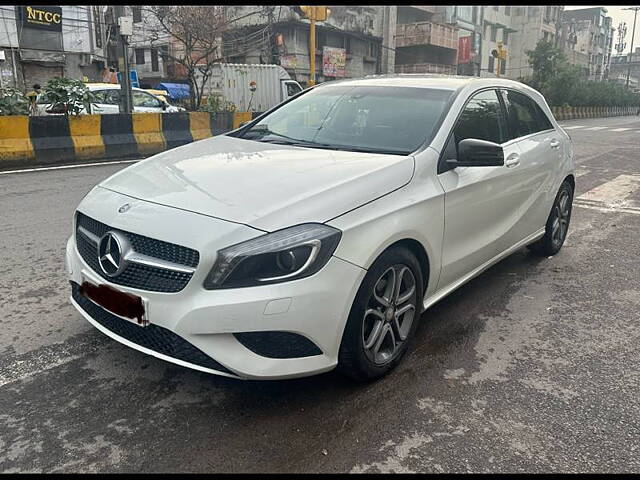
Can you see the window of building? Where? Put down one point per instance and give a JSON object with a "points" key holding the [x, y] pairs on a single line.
{"points": [[497, 9], [137, 14], [491, 61], [505, 37], [482, 119], [507, 10], [494, 32], [465, 13], [154, 60], [139, 56]]}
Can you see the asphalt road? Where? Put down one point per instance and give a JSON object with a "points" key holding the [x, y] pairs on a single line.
{"points": [[533, 366]]}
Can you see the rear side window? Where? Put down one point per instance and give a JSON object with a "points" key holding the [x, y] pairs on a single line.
{"points": [[482, 119], [525, 115]]}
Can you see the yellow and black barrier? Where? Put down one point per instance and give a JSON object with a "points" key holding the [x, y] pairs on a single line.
{"points": [[57, 140]]}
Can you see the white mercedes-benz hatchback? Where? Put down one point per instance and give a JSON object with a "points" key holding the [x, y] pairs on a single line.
{"points": [[317, 234]]}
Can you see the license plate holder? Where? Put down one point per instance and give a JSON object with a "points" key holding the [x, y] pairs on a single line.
{"points": [[126, 306]]}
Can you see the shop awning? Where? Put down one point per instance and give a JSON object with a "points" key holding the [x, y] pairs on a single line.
{"points": [[177, 91]]}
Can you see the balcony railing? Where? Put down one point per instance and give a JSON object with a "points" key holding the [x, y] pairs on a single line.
{"points": [[427, 68], [426, 33]]}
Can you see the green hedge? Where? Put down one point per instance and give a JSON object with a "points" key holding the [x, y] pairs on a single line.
{"points": [[564, 84]]}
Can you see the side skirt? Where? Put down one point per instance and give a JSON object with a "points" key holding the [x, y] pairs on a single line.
{"points": [[443, 292]]}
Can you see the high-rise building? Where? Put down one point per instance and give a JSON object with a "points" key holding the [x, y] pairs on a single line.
{"points": [[530, 25], [594, 38]]}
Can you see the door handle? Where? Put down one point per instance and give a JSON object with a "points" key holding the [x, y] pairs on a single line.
{"points": [[555, 143], [512, 160]]}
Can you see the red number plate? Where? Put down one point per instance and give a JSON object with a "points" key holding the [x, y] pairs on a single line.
{"points": [[119, 303]]}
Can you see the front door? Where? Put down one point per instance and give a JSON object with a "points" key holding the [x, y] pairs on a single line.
{"points": [[478, 207]]}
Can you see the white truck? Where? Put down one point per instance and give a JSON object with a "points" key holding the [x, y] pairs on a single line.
{"points": [[251, 87]]}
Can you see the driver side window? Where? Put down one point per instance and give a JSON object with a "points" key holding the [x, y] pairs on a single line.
{"points": [[481, 119]]}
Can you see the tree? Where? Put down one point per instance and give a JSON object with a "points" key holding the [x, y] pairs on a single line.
{"points": [[564, 84], [194, 34], [545, 60]]}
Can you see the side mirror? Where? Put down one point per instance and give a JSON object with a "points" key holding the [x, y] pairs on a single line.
{"points": [[478, 153], [164, 106]]}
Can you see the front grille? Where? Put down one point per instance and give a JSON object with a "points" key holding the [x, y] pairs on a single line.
{"points": [[144, 277], [153, 337]]}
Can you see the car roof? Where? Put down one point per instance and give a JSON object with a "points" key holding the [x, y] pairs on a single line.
{"points": [[108, 86], [448, 82]]}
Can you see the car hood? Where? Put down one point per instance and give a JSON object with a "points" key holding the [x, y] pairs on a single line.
{"points": [[262, 185]]}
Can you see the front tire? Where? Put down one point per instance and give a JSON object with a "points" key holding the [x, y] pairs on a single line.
{"points": [[557, 223], [383, 317]]}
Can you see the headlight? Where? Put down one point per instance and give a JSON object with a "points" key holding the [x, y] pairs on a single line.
{"points": [[287, 254]]}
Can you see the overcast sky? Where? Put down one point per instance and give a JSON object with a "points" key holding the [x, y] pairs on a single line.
{"points": [[618, 15]]}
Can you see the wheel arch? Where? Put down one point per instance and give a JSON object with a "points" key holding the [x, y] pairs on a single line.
{"points": [[415, 247], [572, 180]]}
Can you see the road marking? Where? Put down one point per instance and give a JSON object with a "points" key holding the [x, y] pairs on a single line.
{"points": [[573, 127], [612, 196], [620, 129], [80, 165], [580, 172], [596, 128], [600, 208]]}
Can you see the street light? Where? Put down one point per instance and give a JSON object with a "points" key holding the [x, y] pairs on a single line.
{"points": [[633, 33]]}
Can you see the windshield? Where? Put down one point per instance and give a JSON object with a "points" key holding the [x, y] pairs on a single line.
{"points": [[382, 119]]}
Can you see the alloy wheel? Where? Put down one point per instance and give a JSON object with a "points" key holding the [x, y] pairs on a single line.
{"points": [[391, 310], [560, 223]]}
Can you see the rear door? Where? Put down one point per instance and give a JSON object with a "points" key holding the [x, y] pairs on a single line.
{"points": [[479, 208], [540, 151]]}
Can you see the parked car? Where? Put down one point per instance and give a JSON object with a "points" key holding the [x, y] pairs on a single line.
{"points": [[108, 101], [316, 235]]}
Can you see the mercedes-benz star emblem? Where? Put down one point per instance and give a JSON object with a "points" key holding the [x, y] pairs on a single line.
{"points": [[111, 253]]}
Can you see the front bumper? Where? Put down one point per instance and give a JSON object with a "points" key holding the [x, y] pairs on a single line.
{"points": [[206, 321]]}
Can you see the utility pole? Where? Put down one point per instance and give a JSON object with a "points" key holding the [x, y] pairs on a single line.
{"points": [[314, 14], [125, 28], [633, 33]]}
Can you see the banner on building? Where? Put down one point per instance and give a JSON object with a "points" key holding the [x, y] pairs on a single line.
{"points": [[288, 61], [41, 17], [334, 62], [464, 49]]}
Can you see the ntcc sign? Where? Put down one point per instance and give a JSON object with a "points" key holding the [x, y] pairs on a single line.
{"points": [[42, 17]]}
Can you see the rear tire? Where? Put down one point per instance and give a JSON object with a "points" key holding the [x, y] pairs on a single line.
{"points": [[383, 317], [557, 223]]}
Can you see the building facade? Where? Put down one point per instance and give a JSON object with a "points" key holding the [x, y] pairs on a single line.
{"points": [[348, 43], [594, 38], [42, 42], [623, 65], [422, 44], [497, 26], [530, 25], [468, 20]]}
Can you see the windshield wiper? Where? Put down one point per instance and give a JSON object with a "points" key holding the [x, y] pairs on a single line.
{"points": [[373, 150], [302, 143]]}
